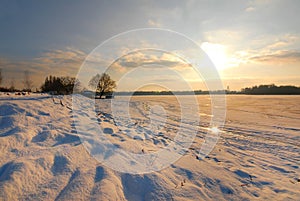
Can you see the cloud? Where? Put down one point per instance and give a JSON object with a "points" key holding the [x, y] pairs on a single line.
{"points": [[287, 56], [149, 58], [68, 58], [154, 23], [61, 62], [152, 66], [267, 49], [254, 4], [250, 9]]}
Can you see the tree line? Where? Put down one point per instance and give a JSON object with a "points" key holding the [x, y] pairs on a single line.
{"points": [[27, 82], [104, 85], [59, 85], [271, 89]]}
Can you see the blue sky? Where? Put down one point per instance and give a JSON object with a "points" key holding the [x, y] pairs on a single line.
{"points": [[250, 42]]}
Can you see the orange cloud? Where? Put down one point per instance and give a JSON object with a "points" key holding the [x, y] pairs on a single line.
{"points": [[286, 56], [54, 62]]}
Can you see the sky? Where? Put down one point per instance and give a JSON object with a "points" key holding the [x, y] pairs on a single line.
{"points": [[250, 42]]}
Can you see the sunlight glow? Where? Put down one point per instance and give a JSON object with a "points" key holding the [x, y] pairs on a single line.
{"points": [[217, 54]]}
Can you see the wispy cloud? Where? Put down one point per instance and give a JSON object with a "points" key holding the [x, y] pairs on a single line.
{"points": [[254, 4], [154, 23], [287, 56], [60, 59], [62, 62], [150, 58]]}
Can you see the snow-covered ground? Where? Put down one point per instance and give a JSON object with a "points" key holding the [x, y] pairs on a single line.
{"points": [[256, 158]]}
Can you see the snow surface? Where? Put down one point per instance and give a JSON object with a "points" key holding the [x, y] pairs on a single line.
{"points": [[256, 158]]}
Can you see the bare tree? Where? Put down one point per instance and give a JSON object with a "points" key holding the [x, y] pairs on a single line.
{"points": [[78, 86], [12, 85], [0, 76], [102, 83], [27, 81]]}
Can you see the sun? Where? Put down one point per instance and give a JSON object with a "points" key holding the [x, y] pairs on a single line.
{"points": [[217, 54]]}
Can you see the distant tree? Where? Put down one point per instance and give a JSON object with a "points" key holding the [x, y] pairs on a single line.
{"points": [[27, 81], [52, 84], [59, 85], [271, 89], [68, 84], [78, 86], [102, 83], [12, 85], [0, 76]]}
